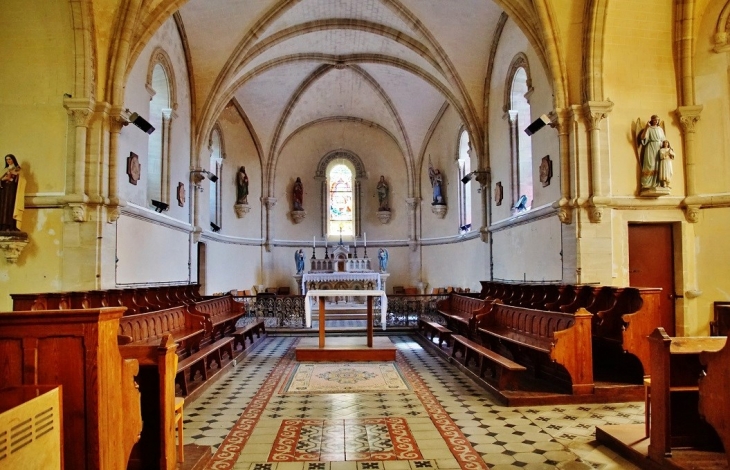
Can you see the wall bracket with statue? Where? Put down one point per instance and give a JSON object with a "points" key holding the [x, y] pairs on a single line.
{"points": [[655, 156]]}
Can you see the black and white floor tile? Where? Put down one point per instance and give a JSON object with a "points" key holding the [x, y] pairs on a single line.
{"points": [[537, 437]]}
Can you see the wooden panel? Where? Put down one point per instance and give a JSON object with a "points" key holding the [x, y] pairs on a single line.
{"points": [[63, 364], [651, 264], [11, 371]]}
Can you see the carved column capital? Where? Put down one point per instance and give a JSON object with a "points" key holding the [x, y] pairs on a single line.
{"points": [[79, 110], [689, 116], [269, 202], [560, 120], [413, 203], [596, 111]]}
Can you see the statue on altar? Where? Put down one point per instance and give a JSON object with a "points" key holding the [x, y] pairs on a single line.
{"points": [[383, 259], [299, 260]]}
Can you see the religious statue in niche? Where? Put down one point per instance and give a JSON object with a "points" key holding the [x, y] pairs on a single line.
{"points": [[181, 194], [298, 195], [437, 182], [498, 193], [12, 195], [242, 186], [650, 140], [546, 171], [383, 193], [134, 169]]}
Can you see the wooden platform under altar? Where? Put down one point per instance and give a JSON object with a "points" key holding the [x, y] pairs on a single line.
{"points": [[345, 348]]}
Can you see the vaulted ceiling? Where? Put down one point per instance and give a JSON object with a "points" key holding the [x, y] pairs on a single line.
{"points": [[394, 65]]}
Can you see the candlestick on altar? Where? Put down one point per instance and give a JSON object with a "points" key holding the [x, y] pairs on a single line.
{"points": [[314, 241]]}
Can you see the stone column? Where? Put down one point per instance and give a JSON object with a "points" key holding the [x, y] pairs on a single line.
{"points": [[561, 121], [168, 115], [689, 116], [80, 113], [269, 203], [596, 111], [413, 203], [116, 123]]}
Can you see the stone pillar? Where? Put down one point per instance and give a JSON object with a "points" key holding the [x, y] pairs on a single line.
{"points": [[596, 111], [561, 120], [80, 113], [168, 115], [689, 116], [413, 203], [116, 123], [269, 203]]}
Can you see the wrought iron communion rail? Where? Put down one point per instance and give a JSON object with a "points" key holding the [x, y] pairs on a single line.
{"points": [[287, 311]]}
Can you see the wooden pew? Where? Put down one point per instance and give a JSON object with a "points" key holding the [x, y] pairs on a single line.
{"points": [[78, 350], [431, 329], [675, 371], [552, 343], [504, 371], [136, 299], [720, 325], [714, 401], [461, 312], [147, 329], [156, 381], [221, 312]]}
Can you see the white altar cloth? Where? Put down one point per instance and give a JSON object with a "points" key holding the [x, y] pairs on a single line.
{"points": [[353, 293], [341, 276]]}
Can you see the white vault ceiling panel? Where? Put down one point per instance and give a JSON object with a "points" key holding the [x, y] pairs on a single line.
{"points": [[213, 29], [465, 34], [417, 102], [265, 97], [342, 43], [341, 93], [314, 10]]}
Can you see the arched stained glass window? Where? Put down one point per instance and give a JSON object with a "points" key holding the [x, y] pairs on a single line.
{"points": [[341, 201]]}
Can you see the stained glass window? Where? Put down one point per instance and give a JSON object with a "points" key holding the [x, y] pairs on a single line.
{"points": [[340, 188]]}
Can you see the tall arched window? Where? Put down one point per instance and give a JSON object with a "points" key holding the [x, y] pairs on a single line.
{"points": [[517, 107], [464, 161], [336, 171], [341, 205], [216, 165], [160, 84]]}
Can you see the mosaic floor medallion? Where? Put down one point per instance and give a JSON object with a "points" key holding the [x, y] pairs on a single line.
{"points": [[345, 377], [344, 439]]}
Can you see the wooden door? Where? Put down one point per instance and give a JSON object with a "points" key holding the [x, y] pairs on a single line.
{"points": [[651, 264]]}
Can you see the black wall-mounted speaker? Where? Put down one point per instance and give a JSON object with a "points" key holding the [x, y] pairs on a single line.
{"points": [[537, 124], [141, 122]]}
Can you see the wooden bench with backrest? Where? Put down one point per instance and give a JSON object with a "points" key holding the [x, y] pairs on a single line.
{"points": [[185, 328], [222, 312], [198, 355], [431, 329], [553, 344], [504, 371], [136, 299], [240, 334], [676, 369], [461, 311], [714, 401]]}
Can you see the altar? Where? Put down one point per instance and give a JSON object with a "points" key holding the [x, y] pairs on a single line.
{"points": [[343, 269]]}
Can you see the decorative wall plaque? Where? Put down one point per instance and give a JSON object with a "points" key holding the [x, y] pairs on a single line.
{"points": [[134, 170], [181, 194], [546, 171], [498, 193]]}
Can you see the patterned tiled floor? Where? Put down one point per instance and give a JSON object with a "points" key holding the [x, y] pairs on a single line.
{"points": [[451, 422]]}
